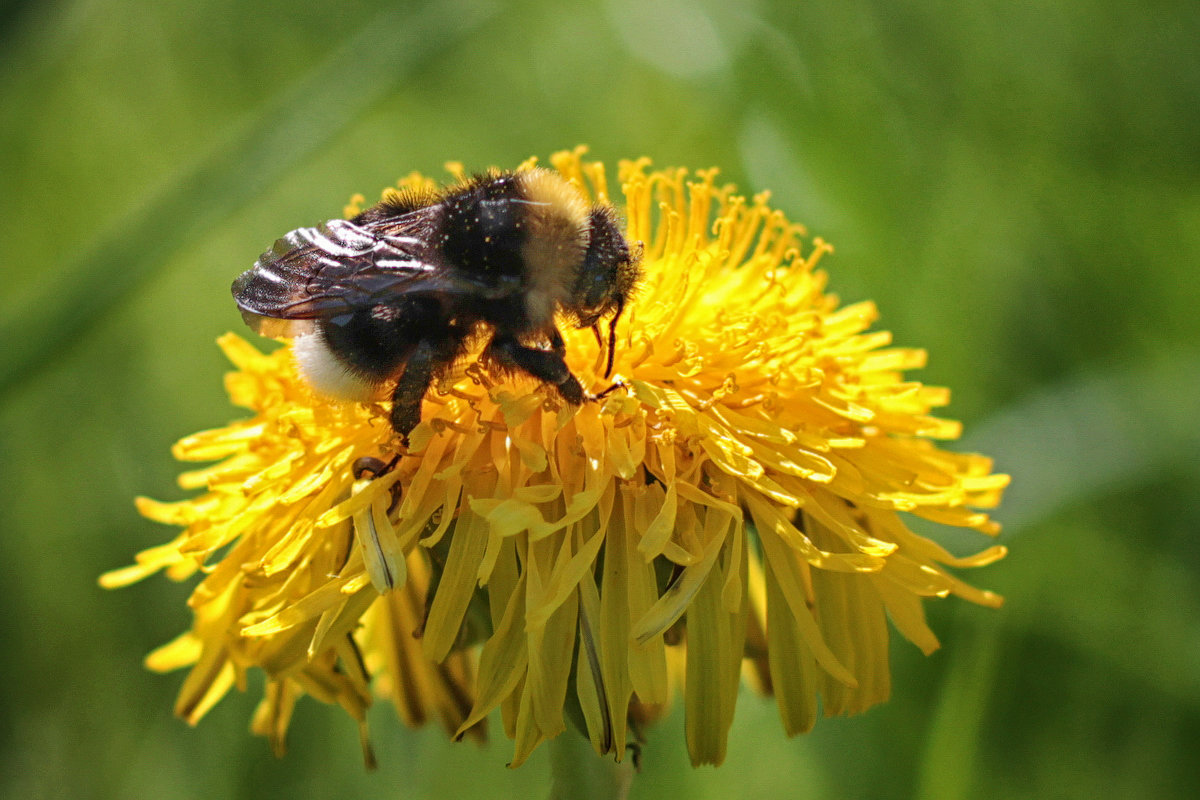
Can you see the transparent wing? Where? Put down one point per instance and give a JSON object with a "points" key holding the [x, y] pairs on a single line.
{"points": [[338, 267]]}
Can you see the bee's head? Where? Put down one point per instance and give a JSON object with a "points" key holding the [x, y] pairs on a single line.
{"points": [[607, 277], [609, 272]]}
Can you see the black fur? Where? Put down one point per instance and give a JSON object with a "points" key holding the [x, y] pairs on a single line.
{"points": [[480, 230]]}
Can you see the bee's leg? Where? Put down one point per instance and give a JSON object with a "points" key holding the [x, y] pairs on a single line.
{"points": [[619, 383], [547, 366], [559, 347], [372, 465], [419, 371]]}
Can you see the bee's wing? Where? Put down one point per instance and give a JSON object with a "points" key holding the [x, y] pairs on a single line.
{"points": [[337, 268]]}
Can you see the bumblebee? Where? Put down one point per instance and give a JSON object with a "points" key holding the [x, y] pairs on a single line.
{"points": [[396, 295]]}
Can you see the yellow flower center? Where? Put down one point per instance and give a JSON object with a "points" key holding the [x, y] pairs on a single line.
{"points": [[740, 493]]}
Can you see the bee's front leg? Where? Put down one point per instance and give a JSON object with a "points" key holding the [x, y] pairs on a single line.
{"points": [[618, 383], [548, 366]]}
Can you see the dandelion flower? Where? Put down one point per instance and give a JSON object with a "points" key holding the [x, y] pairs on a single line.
{"points": [[738, 508]]}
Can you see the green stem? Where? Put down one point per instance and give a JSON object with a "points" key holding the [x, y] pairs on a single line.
{"points": [[580, 774]]}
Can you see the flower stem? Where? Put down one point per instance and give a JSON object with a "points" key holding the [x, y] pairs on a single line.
{"points": [[579, 774]]}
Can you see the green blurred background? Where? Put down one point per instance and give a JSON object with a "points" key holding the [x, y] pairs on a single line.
{"points": [[1016, 186]]}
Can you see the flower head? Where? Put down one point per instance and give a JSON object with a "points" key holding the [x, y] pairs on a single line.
{"points": [[741, 500]]}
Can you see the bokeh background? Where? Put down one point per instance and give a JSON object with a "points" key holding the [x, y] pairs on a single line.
{"points": [[1016, 185]]}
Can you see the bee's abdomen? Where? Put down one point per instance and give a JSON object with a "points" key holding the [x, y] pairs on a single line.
{"points": [[351, 355]]}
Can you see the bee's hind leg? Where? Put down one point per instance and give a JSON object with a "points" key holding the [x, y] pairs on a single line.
{"points": [[370, 465]]}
